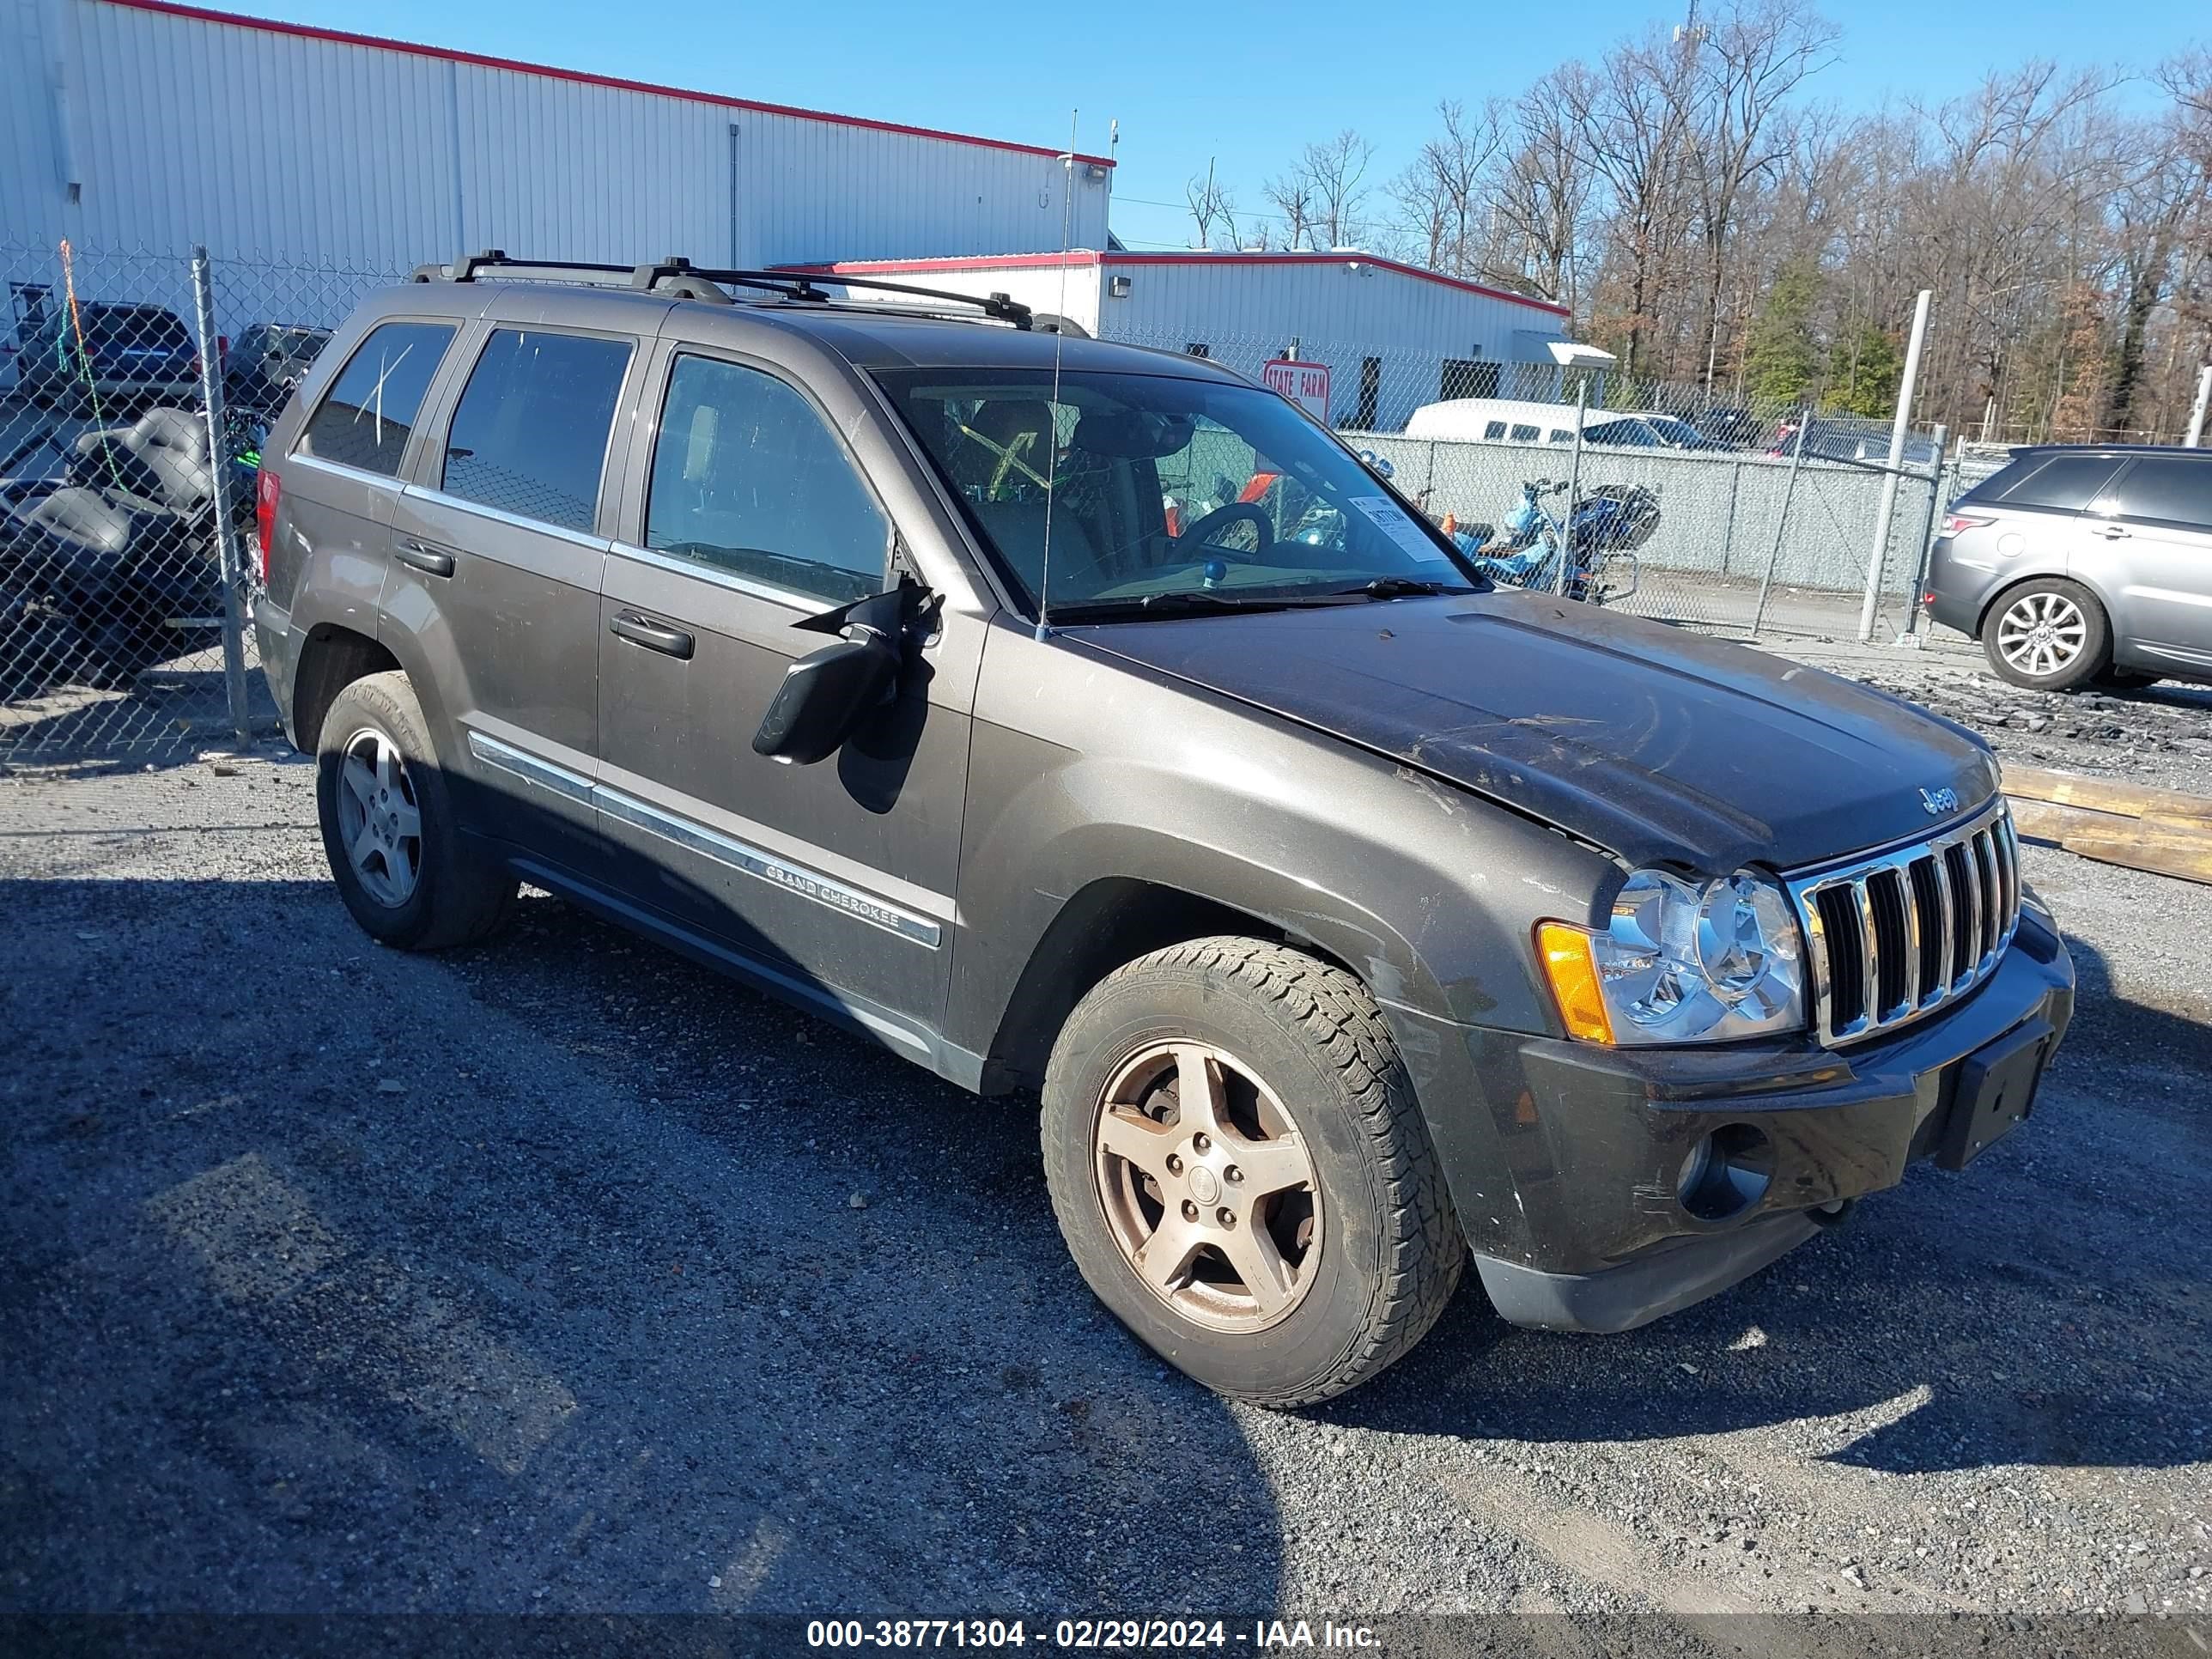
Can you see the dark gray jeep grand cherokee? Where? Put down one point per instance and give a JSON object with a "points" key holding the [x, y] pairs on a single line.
{"points": [[1349, 914]]}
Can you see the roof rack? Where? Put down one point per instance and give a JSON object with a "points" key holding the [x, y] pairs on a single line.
{"points": [[679, 276]]}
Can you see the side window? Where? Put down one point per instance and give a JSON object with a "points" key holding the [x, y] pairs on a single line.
{"points": [[747, 478], [2067, 482], [1561, 436], [2169, 488], [1495, 430], [1525, 435], [371, 407], [530, 435]]}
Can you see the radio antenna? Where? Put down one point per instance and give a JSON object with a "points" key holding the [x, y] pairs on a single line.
{"points": [[1051, 434]]}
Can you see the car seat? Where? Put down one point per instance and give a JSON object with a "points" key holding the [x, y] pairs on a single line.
{"points": [[161, 462]]}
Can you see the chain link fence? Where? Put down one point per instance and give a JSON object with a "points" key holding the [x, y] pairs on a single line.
{"points": [[135, 390], [1743, 517]]}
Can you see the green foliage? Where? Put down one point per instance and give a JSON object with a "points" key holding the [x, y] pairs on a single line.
{"points": [[1864, 370], [1781, 358]]}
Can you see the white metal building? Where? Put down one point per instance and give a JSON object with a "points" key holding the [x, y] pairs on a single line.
{"points": [[142, 127], [1394, 336]]}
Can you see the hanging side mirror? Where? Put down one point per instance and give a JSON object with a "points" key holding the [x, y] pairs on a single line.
{"points": [[828, 695]]}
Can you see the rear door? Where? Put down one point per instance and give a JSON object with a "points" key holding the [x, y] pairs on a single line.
{"points": [[496, 549], [2155, 521], [345, 471], [749, 512]]}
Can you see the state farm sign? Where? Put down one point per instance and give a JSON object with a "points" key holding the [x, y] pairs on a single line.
{"points": [[1304, 384]]}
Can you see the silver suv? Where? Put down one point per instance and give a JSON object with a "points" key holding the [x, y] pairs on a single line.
{"points": [[1071, 717], [2079, 566]]}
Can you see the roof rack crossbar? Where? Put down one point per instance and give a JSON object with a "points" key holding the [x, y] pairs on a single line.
{"points": [[679, 276]]}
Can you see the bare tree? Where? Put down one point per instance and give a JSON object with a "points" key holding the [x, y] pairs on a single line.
{"points": [[1541, 203], [1292, 195], [1212, 203], [1443, 192], [1338, 171], [1745, 70], [1633, 119]]}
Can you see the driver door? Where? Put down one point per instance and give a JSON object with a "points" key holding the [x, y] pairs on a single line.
{"points": [[745, 515]]}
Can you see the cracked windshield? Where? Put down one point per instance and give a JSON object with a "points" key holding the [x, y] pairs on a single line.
{"points": [[1164, 489]]}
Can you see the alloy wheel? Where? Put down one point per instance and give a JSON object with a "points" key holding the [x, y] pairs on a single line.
{"points": [[2042, 633], [1208, 1188], [380, 819]]}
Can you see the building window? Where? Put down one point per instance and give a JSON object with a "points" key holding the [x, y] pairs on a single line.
{"points": [[1197, 349], [1371, 394], [1468, 377]]}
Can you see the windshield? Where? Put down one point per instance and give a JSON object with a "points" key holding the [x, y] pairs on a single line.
{"points": [[1163, 488]]}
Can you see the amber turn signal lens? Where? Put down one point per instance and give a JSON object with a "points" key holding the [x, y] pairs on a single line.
{"points": [[1573, 971]]}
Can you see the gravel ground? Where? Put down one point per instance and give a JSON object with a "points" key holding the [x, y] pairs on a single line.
{"points": [[560, 1275]]}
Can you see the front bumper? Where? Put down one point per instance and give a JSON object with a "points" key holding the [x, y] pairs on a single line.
{"points": [[1564, 1159]]}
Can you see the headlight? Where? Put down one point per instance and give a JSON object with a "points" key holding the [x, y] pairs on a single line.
{"points": [[1681, 962]]}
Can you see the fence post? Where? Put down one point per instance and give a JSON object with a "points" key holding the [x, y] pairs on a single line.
{"points": [[1897, 429], [1927, 538], [225, 532], [1782, 518], [1574, 484], [2197, 410], [1728, 533]]}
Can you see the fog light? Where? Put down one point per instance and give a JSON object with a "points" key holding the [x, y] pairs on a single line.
{"points": [[1726, 1173]]}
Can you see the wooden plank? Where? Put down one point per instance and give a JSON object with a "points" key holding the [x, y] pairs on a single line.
{"points": [[2180, 847], [2192, 863], [2130, 800]]}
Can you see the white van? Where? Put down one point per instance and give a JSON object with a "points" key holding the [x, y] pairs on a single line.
{"points": [[1511, 421]]}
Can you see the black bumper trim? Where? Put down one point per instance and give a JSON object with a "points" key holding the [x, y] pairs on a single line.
{"points": [[1649, 1287]]}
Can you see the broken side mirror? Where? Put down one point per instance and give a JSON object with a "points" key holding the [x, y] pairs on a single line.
{"points": [[828, 694]]}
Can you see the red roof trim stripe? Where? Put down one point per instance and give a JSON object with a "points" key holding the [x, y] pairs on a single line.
{"points": [[451, 55], [1089, 257]]}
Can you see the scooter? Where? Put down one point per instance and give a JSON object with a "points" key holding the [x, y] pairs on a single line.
{"points": [[1604, 529]]}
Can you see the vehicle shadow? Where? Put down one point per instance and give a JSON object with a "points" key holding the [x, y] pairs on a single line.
{"points": [[2046, 1306], [555, 1274]]}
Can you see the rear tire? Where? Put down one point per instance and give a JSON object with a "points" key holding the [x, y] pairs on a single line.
{"points": [[405, 870], [2049, 634], [1242, 1173]]}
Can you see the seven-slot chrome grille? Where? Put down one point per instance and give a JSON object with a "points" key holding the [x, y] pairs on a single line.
{"points": [[1897, 934]]}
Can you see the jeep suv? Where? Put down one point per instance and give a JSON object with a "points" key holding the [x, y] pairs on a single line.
{"points": [[1071, 717], [2083, 565]]}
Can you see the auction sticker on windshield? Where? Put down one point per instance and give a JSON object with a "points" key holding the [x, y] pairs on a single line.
{"points": [[1393, 521]]}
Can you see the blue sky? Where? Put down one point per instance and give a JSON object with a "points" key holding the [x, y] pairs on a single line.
{"points": [[1247, 83]]}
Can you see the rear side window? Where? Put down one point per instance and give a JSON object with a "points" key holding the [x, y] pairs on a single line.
{"points": [[1495, 430], [2169, 488], [134, 326], [530, 435], [747, 479], [2068, 483], [371, 408]]}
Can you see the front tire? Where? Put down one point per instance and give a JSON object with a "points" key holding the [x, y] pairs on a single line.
{"points": [[2049, 634], [1241, 1171], [403, 866]]}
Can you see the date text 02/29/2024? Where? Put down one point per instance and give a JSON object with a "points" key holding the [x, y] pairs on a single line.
{"points": [[1092, 1635]]}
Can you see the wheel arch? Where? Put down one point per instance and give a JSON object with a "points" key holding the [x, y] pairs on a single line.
{"points": [[1998, 595], [331, 658], [1110, 922]]}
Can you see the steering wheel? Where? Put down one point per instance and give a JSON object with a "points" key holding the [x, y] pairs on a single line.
{"points": [[1236, 511]]}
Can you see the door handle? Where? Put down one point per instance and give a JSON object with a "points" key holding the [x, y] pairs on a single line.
{"points": [[2112, 532], [431, 561], [652, 635]]}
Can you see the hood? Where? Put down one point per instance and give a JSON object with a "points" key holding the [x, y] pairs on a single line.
{"points": [[1652, 741]]}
